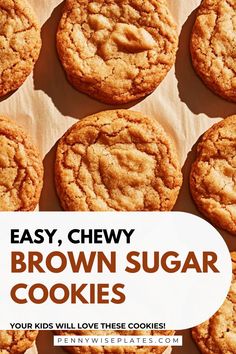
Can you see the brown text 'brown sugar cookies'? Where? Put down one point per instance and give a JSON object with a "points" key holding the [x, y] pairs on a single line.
{"points": [[118, 349], [213, 46], [213, 175], [218, 334], [16, 342], [20, 43], [116, 51], [21, 169], [117, 160]]}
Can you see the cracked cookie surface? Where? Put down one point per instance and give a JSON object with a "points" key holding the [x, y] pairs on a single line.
{"points": [[117, 160], [20, 43], [113, 349], [218, 334], [116, 51], [213, 46], [16, 342], [213, 175], [21, 169]]}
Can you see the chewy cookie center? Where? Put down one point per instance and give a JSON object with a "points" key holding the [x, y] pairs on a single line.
{"points": [[124, 172], [220, 180], [112, 172]]}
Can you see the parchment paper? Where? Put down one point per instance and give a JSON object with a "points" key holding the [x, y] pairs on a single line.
{"points": [[32, 350], [46, 105]]}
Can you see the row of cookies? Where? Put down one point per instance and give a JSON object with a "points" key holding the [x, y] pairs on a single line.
{"points": [[121, 161], [215, 336], [118, 52]]}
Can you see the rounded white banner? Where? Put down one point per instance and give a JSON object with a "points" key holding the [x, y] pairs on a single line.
{"points": [[68, 269]]}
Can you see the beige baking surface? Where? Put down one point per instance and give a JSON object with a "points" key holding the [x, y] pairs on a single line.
{"points": [[46, 105], [32, 350]]}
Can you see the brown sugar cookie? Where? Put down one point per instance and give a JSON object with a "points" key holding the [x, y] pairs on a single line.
{"points": [[21, 169], [218, 334], [117, 160], [20, 43], [213, 175], [114, 349], [16, 342], [213, 46], [116, 51]]}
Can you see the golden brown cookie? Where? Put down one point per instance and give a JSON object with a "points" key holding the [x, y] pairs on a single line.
{"points": [[213, 46], [16, 342], [116, 51], [213, 175], [218, 334], [117, 160], [20, 43], [118, 349], [21, 169]]}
